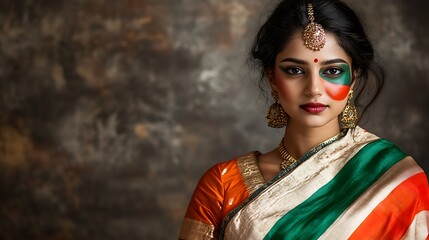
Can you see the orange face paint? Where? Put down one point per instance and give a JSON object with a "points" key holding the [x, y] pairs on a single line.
{"points": [[336, 91], [337, 85]]}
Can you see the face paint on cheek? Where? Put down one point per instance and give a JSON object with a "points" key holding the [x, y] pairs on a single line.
{"points": [[337, 87], [336, 91]]}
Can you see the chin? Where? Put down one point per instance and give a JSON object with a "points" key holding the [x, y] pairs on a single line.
{"points": [[320, 123]]}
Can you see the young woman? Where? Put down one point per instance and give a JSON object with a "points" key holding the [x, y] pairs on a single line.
{"points": [[328, 178]]}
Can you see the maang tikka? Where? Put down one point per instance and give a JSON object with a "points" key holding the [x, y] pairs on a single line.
{"points": [[277, 117], [314, 35]]}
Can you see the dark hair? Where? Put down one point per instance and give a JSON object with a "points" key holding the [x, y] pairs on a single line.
{"points": [[337, 18]]}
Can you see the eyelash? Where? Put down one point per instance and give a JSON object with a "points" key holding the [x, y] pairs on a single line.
{"points": [[339, 71], [289, 70]]}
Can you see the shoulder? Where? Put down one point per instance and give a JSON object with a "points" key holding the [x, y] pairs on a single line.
{"points": [[230, 167], [360, 135], [375, 145], [218, 169], [404, 170]]}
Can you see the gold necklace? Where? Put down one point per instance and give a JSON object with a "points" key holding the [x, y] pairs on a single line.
{"points": [[286, 157]]}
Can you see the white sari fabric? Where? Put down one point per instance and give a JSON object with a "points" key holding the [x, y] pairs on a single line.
{"points": [[359, 187]]}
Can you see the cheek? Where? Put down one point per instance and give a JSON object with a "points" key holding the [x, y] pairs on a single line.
{"points": [[336, 91], [282, 86], [338, 88]]}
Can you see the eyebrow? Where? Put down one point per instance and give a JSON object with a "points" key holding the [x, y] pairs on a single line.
{"points": [[327, 62], [294, 60], [336, 60]]}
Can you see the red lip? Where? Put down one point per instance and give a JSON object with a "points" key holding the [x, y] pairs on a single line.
{"points": [[314, 107]]}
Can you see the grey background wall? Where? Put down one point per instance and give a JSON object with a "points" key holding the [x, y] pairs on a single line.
{"points": [[112, 110]]}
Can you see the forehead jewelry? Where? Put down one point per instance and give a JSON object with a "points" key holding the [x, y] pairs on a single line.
{"points": [[314, 35]]}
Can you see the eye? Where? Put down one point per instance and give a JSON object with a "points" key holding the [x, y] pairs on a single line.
{"points": [[333, 72], [293, 70]]}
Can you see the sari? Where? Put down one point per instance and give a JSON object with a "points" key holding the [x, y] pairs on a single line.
{"points": [[358, 187]]}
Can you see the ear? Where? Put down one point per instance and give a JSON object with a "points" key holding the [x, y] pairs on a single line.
{"points": [[271, 79], [355, 75], [353, 83]]}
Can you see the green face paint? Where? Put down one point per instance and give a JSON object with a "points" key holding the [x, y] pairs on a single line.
{"points": [[337, 85]]}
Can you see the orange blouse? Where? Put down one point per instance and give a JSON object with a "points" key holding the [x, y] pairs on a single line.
{"points": [[222, 188]]}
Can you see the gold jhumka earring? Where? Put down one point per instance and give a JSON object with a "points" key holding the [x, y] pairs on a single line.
{"points": [[277, 117], [314, 35], [349, 115]]}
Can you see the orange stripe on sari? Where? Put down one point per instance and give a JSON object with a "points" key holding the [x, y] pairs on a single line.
{"points": [[397, 211]]}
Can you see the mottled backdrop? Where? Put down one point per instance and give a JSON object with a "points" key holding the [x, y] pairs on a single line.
{"points": [[111, 110]]}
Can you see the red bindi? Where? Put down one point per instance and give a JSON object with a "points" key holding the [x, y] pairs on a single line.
{"points": [[316, 60]]}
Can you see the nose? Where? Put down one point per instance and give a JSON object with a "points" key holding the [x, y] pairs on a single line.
{"points": [[314, 85]]}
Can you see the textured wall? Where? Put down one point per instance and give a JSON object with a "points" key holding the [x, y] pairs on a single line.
{"points": [[111, 110]]}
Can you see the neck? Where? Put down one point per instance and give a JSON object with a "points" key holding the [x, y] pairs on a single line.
{"points": [[299, 140]]}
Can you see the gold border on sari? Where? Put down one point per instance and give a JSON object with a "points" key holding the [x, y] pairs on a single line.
{"points": [[250, 172], [193, 229]]}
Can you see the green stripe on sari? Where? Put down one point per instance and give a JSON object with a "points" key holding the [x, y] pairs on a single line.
{"points": [[312, 218]]}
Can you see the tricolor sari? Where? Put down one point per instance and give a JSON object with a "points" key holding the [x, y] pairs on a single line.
{"points": [[359, 187]]}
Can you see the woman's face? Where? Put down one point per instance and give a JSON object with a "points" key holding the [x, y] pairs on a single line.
{"points": [[313, 85]]}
